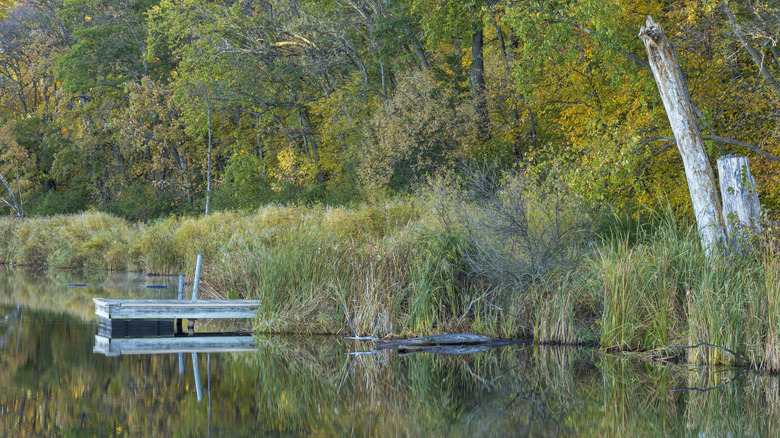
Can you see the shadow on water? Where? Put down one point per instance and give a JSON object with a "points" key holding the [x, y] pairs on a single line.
{"points": [[56, 382]]}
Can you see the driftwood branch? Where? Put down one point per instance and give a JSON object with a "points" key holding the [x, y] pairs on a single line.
{"points": [[707, 344]]}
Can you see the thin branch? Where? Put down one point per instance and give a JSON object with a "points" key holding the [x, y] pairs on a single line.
{"points": [[13, 203], [707, 344], [750, 146], [758, 58], [714, 137]]}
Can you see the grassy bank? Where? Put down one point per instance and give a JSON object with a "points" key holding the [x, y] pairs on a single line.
{"points": [[453, 259]]}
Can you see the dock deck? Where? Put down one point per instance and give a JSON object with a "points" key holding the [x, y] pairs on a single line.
{"points": [[176, 309], [121, 318]]}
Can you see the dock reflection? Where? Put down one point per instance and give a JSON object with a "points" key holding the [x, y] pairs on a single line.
{"points": [[205, 343]]}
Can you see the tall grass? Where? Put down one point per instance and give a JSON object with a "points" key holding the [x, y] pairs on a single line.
{"points": [[83, 241], [490, 256], [370, 271], [640, 289], [769, 311], [663, 291]]}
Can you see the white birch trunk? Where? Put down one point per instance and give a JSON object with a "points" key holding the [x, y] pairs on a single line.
{"points": [[741, 209], [674, 93]]}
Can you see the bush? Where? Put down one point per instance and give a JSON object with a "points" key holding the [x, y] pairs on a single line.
{"points": [[517, 227], [144, 203], [53, 203]]}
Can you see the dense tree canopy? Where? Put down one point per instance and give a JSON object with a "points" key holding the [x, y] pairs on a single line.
{"points": [[140, 106]]}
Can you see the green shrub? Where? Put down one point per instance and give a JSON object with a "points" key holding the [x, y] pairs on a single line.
{"points": [[53, 203]]}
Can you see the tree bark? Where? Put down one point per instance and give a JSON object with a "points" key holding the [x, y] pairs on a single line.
{"points": [[422, 57], [741, 209], [679, 110], [477, 80]]}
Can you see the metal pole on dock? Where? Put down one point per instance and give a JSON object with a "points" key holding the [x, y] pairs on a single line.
{"points": [[178, 320], [196, 282], [181, 286], [197, 277]]}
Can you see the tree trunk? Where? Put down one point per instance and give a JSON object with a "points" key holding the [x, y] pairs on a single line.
{"points": [[679, 110], [208, 162], [422, 57], [477, 80], [14, 202], [309, 139], [741, 209]]}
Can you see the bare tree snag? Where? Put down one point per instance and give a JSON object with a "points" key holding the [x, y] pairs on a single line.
{"points": [[674, 93], [477, 80], [13, 201], [741, 209]]}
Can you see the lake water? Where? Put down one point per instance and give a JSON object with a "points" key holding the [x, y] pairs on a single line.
{"points": [[53, 383]]}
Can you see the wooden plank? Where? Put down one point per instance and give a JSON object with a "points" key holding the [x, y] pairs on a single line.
{"points": [[189, 344], [101, 308], [175, 309]]}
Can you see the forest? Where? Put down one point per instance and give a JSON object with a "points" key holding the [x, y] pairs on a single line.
{"points": [[150, 108]]}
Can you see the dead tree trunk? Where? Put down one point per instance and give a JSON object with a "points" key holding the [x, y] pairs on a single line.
{"points": [[674, 93], [13, 201], [741, 209], [477, 80]]}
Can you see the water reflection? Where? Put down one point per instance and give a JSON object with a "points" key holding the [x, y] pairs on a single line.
{"points": [[53, 384], [62, 291]]}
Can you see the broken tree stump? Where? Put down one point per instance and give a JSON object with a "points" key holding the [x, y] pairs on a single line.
{"points": [[741, 208]]}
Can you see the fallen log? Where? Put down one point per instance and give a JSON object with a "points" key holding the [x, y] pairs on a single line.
{"points": [[436, 340], [457, 343]]}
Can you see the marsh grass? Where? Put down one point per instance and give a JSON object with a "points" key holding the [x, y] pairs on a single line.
{"points": [[408, 267], [8, 227], [554, 317], [369, 271], [662, 290], [643, 285], [769, 312]]}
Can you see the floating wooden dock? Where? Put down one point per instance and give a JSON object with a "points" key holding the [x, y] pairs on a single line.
{"points": [[119, 318], [176, 309], [186, 344]]}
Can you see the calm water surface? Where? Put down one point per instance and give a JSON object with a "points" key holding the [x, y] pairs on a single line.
{"points": [[52, 383]]}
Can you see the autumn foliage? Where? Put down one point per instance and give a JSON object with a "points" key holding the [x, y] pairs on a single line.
{"points": [[112, 105]]}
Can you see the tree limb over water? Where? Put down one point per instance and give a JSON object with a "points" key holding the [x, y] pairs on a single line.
{"points": [[707, 344]]}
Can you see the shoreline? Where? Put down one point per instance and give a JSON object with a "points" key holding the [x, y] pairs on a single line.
{"points": [[391, 269]]}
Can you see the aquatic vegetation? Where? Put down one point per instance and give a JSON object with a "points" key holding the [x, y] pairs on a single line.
{"points": [[421, 266]]}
